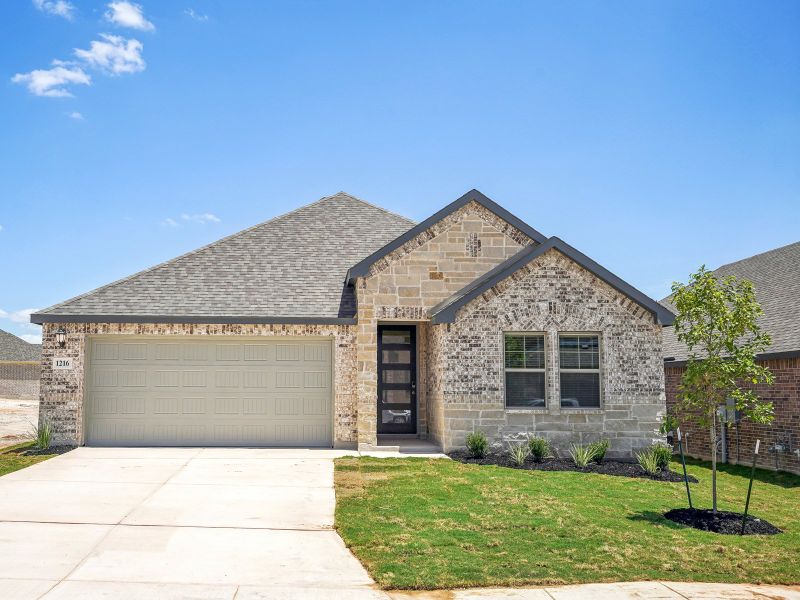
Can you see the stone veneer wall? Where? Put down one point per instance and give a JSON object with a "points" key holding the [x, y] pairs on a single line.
{"points": [[402, 286], [62, 392], [19, 379], [551, 294], [784, 430]]}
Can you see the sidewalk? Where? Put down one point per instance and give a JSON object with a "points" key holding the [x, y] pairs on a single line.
{"points": [[616, 591]]}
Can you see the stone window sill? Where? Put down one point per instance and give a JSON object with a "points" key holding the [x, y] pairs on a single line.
{"points": [[582, 411], [527, 411]]}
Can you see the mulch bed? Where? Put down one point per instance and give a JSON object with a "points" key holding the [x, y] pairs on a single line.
{"points": [[31, 451], [729, 523], [607, 467]]}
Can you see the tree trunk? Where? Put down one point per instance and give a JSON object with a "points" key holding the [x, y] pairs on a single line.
{"points": [[714, 461]]}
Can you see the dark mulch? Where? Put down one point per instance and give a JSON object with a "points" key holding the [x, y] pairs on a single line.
{"points": [[607, 467], [729, 523], [31, 451]]}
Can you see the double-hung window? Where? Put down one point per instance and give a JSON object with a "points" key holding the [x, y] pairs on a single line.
{"points": [[524, 370], [579, 369]]}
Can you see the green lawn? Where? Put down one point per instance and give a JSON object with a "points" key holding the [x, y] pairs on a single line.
{"points": [[422, 524], [15, 458]]}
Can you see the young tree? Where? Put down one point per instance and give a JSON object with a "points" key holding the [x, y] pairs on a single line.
{"points": [[716, 319]]}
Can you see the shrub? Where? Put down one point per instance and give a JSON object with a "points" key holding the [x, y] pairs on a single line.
{"points": [[519, 453], [42, 435], [663, 454], [581, 455], [648, 460], [599, 449], [477, 444], [539, 448]]}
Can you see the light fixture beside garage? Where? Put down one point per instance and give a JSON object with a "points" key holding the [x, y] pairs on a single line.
{"points": [[61, 337]]}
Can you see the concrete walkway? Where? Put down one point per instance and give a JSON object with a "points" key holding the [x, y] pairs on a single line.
{"points": [[208, 524]]}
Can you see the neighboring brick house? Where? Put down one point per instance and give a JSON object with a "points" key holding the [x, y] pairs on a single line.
{"points": [[20, 366], [776, 278], [340, 323]]}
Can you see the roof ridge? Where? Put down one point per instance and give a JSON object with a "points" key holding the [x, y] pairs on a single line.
{"points": [[741, 260], [186, 254], [381, 208]]}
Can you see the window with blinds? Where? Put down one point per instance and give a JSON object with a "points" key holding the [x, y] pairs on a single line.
{"points": [[524, 370], [579, 370]]}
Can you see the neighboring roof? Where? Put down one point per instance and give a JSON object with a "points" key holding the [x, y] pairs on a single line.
{"points": [[289, 269], [775, 275], [362, 268], [15, 349], [445, 312]]}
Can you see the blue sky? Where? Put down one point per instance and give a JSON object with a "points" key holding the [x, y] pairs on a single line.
{"points": [[653, 136]]}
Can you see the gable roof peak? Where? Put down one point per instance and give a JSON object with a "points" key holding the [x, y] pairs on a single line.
{"points": [[362, 268], [445, 311]]}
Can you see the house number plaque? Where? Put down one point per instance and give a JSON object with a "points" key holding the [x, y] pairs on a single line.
{"points": [[62, 363]]}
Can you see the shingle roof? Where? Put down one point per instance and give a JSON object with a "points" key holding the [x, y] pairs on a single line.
{"points": [[776, 277], [445, 311], [16, 349], [289, 269]]}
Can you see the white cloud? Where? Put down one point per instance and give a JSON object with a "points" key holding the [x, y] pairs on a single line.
{"points": [[60, 8], [128, 14], [169, 222], [114, 54], [31, 339], [1, 228], [201, 218], [18, 316], [75, 115], [52, 82], [196, 15]]}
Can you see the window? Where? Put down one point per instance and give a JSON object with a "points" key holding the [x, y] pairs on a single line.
{"points": [[579, 365], [524, 365]]}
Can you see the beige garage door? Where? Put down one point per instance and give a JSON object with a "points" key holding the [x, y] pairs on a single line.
{"points": [[208, 392]]}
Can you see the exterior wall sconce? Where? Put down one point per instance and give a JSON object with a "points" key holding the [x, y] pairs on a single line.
{"points": [[61, 337]]}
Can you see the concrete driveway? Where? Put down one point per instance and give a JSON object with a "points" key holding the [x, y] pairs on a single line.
{"points": [[176, 523]]}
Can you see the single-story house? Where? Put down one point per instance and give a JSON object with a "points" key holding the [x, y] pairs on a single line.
{"points": [[776, 278], [20, 364], [342, 322]]}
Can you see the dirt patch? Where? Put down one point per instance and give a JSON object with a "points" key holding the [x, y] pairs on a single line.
{"points": [[607, 467], [17, 420], [729, 523]]}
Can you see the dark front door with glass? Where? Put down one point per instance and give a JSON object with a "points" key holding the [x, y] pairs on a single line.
{"points": [[397, 379]]}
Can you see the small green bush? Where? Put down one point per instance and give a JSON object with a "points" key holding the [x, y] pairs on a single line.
{"points": [[599, 449], [648, 460], [663, 455], [581, 455], [519, 453], [477, 444], [42, 435], [539, 448]]}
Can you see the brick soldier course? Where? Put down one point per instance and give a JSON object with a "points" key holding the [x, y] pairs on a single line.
{"points": [[339, 268]]}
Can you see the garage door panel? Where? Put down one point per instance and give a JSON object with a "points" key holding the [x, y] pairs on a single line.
{"points": [[209, 392]]}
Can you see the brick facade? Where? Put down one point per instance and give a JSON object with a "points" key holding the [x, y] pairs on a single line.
{"points": [[460, 371], [19, 379], [62, 392], [403, 285], [551, 294], [740, 440]]}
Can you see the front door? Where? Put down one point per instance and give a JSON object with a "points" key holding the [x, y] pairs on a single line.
{"points": [[397, 379]]}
